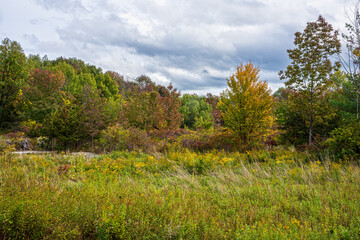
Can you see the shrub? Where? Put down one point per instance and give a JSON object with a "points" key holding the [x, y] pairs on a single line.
{"points": [[5, 145], [139, 140], [113, 139], [204, 140], [31, 128], [345, 141], [168, 135], [117, 138], [18, 141]]}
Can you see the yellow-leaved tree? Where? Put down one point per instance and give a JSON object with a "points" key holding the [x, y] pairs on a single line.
{"points": [[246, 106]]}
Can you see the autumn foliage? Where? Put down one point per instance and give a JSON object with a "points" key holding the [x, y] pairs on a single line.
{"points": [[72, 105], [310, 72], [246, 105]]}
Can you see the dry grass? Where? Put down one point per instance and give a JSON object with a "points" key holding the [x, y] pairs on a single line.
{"points": [[266, 195]]}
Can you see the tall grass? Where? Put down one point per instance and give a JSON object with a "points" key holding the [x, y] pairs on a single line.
{"points": [[180, 195]]}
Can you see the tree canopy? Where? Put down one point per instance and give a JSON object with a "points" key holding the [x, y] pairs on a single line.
{"points": [[13, 73], [246, 105], [311, 67]]}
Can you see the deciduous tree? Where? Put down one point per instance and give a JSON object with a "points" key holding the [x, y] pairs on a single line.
{"points": [[152, 108], [291, 122], [64, 127], [92, 111], [42, 94], [351, 59], [246, 105], [310, 70], [170, 101], [12, 77], [196, 112]]}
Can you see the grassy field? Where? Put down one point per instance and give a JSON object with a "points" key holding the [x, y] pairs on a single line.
{"points": [[278, 194]]}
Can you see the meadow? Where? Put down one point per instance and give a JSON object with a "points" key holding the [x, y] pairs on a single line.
{"points": [[278, 194]]}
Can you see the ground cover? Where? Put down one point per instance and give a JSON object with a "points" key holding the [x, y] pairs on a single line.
{"points": [[280, 194]]}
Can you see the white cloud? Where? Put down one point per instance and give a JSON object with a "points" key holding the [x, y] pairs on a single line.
{"points": [[194, 44], [204, 91], [159, 78], [182, 73]]}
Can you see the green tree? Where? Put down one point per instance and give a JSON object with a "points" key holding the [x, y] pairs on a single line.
{"points": [[12, 77], [310, 70], [246, 105], [344, 97], [118, 79], [64, 127], [291, 122], [77, 85], [142, 110], [69, 74], [92, 111], [78, 75], [345, 141], [42, 94], [107, 85], [151, 107], [351, 63], [196, 112], [34, 61]]}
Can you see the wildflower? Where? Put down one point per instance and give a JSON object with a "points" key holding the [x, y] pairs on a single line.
{"points": [[295, 222]]}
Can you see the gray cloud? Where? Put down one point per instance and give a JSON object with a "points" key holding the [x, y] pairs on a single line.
{"points": [[62, 5], [194, 44]]}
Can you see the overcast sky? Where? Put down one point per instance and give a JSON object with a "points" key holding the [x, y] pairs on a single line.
{"points": [[194, 44]]}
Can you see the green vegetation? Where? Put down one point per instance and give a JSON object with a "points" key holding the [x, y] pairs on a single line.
{"points": [[266, 195], [310, 70], [13, 74], [196, 112], [242, 165], [74, 106]]}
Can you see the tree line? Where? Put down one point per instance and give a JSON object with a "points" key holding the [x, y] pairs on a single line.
{"points": [[74, 105]]}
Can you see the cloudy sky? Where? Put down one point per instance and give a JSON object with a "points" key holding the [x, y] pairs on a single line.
{"points": [[194, 44]]}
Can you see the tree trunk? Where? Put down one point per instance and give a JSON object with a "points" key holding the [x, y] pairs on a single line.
{"points": [[310, 134], [357, 105], [311, 118]]}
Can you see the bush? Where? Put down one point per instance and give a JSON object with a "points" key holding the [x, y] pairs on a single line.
{"points": [[204, 140], [113, 139], [117, 138], [18, 141], [345, 141], [5, 145], [170, 135], [31, 129]]}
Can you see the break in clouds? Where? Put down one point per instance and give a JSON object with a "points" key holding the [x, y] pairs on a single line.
{"points": [[193, 44]]}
